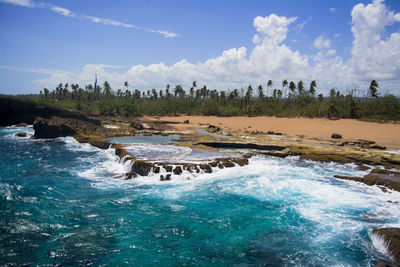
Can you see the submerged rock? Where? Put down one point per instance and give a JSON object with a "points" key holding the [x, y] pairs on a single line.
{"points": [[20, 134]]}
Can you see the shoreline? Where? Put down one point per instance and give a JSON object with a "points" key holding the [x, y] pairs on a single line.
{"points": [[311, 130]]}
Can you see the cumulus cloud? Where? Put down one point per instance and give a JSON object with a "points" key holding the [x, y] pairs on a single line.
{"points": [[68, 13], [322, 43], [372, 57]]}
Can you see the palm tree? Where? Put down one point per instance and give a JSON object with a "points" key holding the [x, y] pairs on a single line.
{"points": [[126, 85], [269, 85], [260, 92], [373, 89], [300, 87], [313, 84], [292, 87], [284, 85]]}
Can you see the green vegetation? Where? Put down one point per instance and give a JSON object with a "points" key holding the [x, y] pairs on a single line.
{"points": [[289, 101]]}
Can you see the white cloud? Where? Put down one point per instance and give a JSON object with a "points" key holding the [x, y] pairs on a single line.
{"points": [[68, 13], [272, 27], [322, 43], [332, 9], [372, 57], [25, 3], [63, 11]]}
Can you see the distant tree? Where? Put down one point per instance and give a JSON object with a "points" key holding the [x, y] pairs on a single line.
{"points": [[332, 93], [46, 92], [269, 85], [313, 84], [161, 94], [154, 93], [284, 85], [126, 85], [373, 89], [260, 92], [300, 87], [107, 89], [292, 87], [320, 97]]}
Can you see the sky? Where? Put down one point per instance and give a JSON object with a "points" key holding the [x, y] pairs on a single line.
{"points": [[224, 44]]}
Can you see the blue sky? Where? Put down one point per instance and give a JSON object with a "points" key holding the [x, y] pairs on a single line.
{"points": [[150, 43]]}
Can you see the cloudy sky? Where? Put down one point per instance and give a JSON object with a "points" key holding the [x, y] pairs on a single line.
{"points": [[225, 44]]}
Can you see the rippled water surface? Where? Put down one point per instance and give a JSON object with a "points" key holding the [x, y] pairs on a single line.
{"points": [[60, 205]]}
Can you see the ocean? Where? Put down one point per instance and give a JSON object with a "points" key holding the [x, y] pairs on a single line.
{"points": [[60, 205]]}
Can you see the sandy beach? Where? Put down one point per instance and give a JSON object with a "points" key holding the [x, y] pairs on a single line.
{"points": [[386, 134]]}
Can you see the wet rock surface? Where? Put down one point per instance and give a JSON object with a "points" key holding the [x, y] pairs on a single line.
{"points": [[391, 236], [20, 134], [380, 177]]}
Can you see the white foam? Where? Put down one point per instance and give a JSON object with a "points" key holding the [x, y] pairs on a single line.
{"points": [[380, 245]]}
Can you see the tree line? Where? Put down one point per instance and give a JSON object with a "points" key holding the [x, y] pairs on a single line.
{"points": [[290, 99]]}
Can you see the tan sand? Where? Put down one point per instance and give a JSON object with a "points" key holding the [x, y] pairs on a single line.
{"points": [[386, 134]]}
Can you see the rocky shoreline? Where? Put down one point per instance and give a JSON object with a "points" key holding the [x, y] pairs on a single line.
{"points": [[49, 122]]}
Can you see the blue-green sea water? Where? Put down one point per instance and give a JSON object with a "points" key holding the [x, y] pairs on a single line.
{"points": [[59, 205]]}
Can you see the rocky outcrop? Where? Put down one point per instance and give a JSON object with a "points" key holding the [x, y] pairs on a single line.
{"points": [[392, 238], [14, 110], [380, 177], [46, 128], [143, 168]]}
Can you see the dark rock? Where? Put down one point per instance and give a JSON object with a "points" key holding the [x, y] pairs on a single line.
{"points": [[186, 121], [248, 155], [20, 134], [391, 236], [227, 163], [98, 142], [45, 128], [130, 175], [240, 161], [220, 166], [168, 177], [168, 168], [178, 170], [380, 177], [156, 169], [15, 110], [242, 145], [141, 167], [274, 133], [213, 128], [22, 124], [336, 136], [162, 178], [378, 147], [136, 125], [213, 164], [206, 168]]}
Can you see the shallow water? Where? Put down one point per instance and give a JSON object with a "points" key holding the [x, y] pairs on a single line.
{"points": [[59, 205]]}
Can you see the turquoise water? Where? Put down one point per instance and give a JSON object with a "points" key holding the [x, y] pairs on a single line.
{"points": [[59, 205]]}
